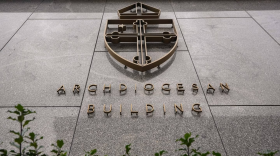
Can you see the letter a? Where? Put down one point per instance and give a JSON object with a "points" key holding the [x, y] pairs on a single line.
{"points": [[210, 88], [61, 90]]}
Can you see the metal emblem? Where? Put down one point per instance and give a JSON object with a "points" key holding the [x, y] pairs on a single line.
{"points": [[139, 21]]}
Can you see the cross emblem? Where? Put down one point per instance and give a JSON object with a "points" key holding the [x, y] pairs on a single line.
{"points": [[141, 36]]}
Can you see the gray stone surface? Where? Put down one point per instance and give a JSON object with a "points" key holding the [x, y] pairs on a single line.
{"points": [[44, 55], [66, 15], [211, 14], [259, 4], [148, 134], [10, 23], [212, 5], [238, 52], [270, 21], [131, 46], [71, 6], [248, 130], [19, 5], [52, 123]]}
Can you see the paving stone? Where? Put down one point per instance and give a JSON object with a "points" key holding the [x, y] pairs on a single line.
{"points": [[259, 4], [270, 21], [100, 47], [44, 55], [212, 5], [211, 14], [52, 123], [247, 130], [10, 23], [19, 5], [238, 52], [113, 6], [72, 6], [65, 15], [147, 133]]}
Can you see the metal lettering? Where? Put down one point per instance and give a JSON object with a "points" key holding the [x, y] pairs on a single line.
{"points": [[94, 89], [131, 110], [61, 90], [195, 88], [198, 109], [107, 112], [76, 89], [210, 88], [180, 108], [180, 88], [123, 89], [90, 109], [224, 87], [149, 111], [120, 109], [104, 89], [166, 89], [149, 89]]}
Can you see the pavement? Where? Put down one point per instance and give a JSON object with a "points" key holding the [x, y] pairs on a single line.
{"points": [[49, 43]]}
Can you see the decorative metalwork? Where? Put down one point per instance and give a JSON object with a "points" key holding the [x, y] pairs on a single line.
{"points": [[140, 22], [135, 14]]}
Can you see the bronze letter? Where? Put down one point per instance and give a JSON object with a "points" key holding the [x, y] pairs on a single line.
{"points": [[61, 90], [196, 110], [224, 86], [149, 89], [195, 88], [136, 112], [135, 88], [180, 88], [123, 89], [92, 90], [76, 89], [107, 112], [104, 89], [121, 109], [180, 108], [166, 89], [164, 111], [149, 111], [210, 88], [90, 109]]}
